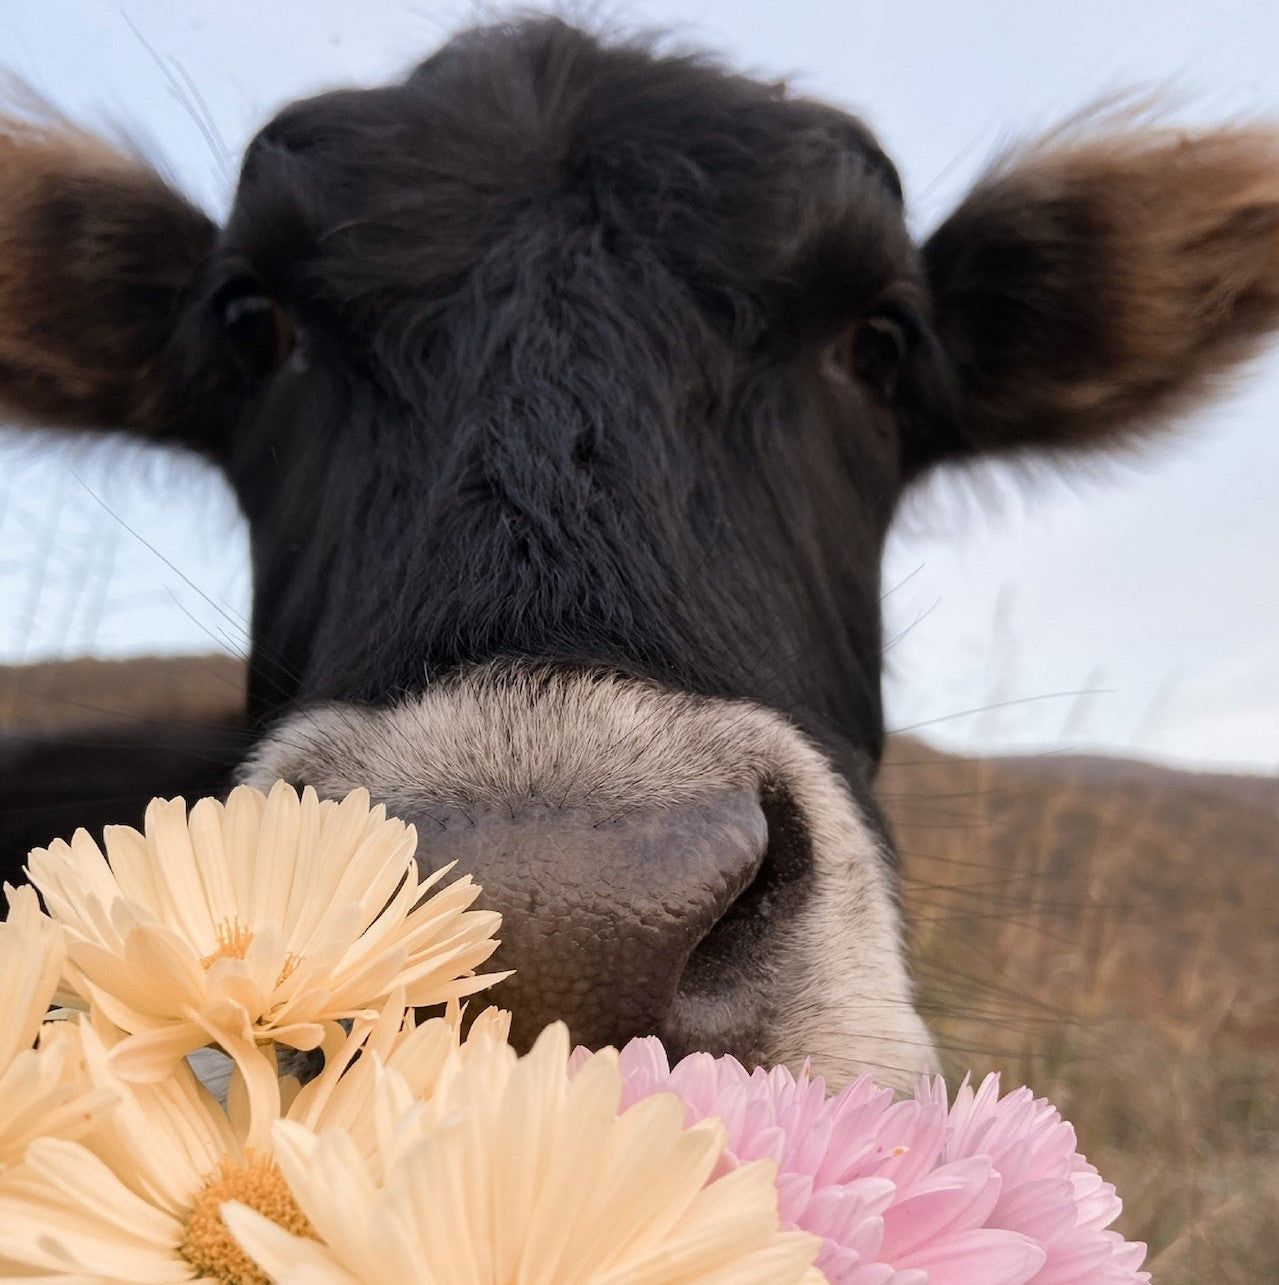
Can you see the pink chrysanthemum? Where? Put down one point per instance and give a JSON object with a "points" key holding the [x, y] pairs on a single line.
{"points": [[989, 1192], [1049, 1190]]}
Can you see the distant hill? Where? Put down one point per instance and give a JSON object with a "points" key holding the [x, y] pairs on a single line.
{"points": [[93, 690]]}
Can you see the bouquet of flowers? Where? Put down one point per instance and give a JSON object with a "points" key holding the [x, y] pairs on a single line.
{"points": [[431, 1151]]}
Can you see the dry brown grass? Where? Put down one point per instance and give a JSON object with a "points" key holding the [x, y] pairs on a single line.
{"points": [[1103, 931], [94, 691], [1108, 933]]}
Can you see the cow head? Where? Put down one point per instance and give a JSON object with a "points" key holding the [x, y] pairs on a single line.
{"points": [[569, 391]]}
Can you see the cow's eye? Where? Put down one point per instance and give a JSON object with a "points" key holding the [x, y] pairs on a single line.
{"points": [[874, 349], [880, 345], [259, 330]]}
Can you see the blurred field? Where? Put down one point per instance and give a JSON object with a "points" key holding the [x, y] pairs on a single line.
{"points": [[1108, 932], [93, 691], [1105, 931]]}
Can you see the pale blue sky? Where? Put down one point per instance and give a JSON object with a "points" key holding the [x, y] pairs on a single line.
{"points": [[1150, 585]]}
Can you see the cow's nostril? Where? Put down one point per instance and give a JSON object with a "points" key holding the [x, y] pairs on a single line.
{"points": [[602, 914], [788, 858], [723, 993]]}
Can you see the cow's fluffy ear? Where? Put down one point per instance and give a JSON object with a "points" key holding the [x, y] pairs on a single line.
{"points": [[98, 256], [1089, 288]]}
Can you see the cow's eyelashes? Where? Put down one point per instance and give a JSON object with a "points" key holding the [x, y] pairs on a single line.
{"points": [[258, 329]]}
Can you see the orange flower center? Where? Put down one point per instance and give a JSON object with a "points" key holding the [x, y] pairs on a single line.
{"points": [[209, 1247], [234, 941]]}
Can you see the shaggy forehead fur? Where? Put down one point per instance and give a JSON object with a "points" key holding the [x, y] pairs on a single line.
{"points": [[434, 191], [836, 988]]}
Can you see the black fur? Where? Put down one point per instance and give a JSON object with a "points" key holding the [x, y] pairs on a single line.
{"points": [[54, 781]]}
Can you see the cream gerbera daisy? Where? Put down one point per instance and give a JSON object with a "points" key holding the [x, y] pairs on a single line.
{"points": [[420, 1054], [139, 1198], [41, 1092], [512, 1171], [263, 920]]}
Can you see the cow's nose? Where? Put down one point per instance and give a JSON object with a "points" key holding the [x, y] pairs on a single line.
{"points": [[599, 914]]}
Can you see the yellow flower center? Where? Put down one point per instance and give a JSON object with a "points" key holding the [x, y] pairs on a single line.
{"points": [[209, 1247], [234, 941]]}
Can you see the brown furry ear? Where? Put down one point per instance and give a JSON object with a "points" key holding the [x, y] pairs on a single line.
{"points": [[1088, 287], [97, 254]]}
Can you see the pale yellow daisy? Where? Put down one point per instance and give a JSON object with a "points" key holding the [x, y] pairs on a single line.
{"points": [[263, 920], [512, 1171], [139, 1198], [41, 1091]]}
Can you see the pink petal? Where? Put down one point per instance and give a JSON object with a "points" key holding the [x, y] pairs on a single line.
{"points": [[982, 1257]]}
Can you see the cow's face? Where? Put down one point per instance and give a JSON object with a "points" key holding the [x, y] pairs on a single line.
{"points": [[569, 392], [568, 354], [585, 369]]}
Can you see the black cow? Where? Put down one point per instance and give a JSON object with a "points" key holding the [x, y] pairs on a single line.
{"points": [[569, 391]]}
